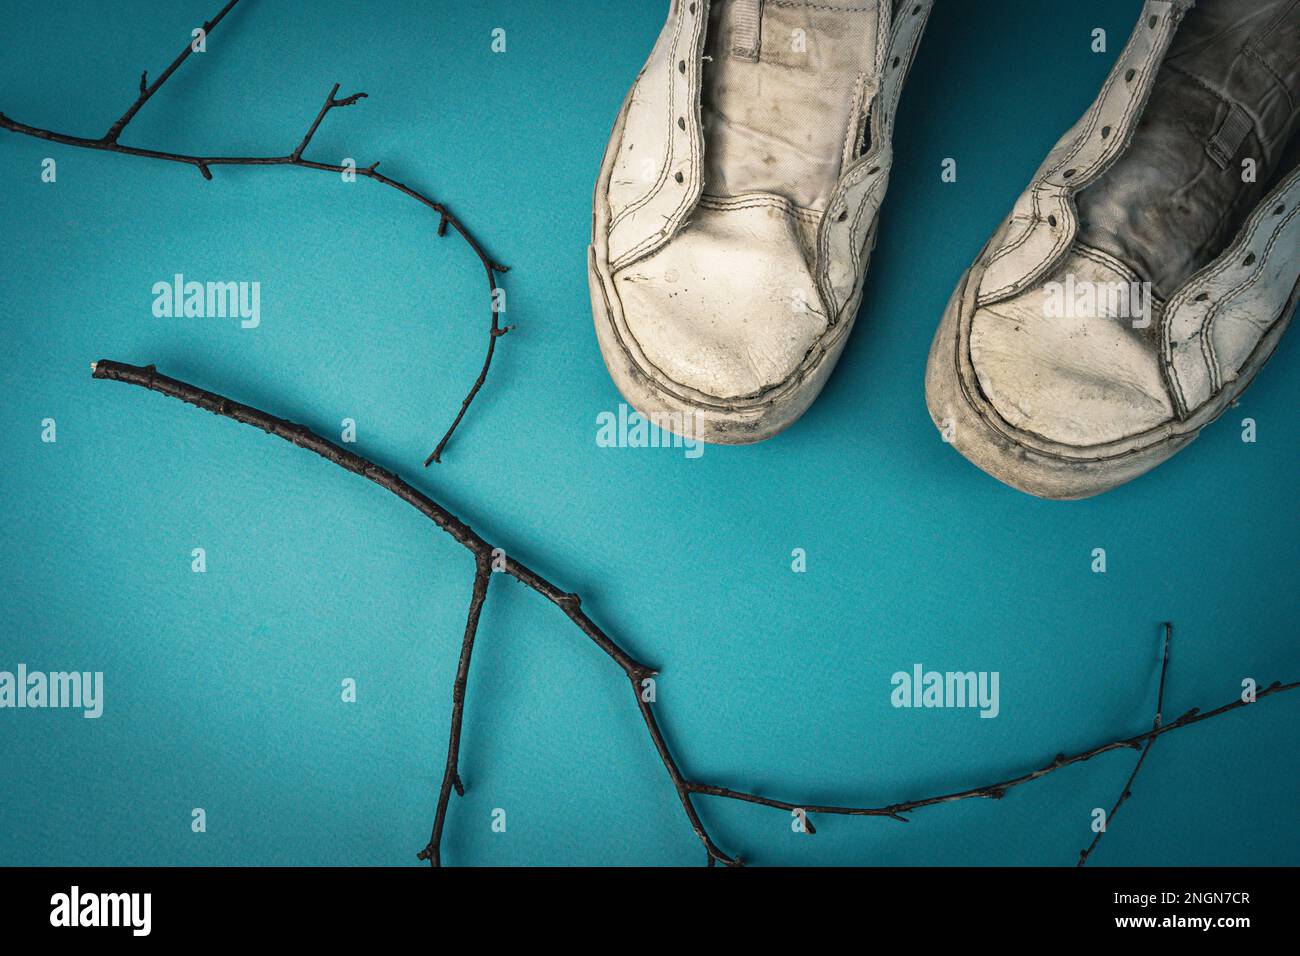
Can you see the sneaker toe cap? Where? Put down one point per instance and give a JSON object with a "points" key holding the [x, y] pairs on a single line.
{"points": [[728, 308], [1080, 381]]}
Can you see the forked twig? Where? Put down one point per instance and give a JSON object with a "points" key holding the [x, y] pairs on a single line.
{"points": [[109, 143], [571, 606], [1155, 725]]}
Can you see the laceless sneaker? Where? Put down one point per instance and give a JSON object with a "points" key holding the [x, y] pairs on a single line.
{"points": [[1150, 268], [736, 206]]}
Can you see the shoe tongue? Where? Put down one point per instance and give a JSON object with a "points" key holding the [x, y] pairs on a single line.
{"points": [[1177, 197], [782, 92]]}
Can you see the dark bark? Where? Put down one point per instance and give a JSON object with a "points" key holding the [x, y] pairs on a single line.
{"points": [[483, 551], [109, 143], [451, 774]]}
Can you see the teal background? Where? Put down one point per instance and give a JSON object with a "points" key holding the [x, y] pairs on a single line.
{"points": [[222, 689]]}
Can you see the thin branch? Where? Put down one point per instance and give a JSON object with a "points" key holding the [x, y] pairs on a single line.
{"points": [[496, 332], [148, 91], [1155, 725], [330, 104], [571, 606], [451, 775], [680, 784], [109, 143], [996, 791]]}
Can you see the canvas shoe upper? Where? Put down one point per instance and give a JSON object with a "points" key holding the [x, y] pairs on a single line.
{"points": [[1150, 268], [737, 202]]}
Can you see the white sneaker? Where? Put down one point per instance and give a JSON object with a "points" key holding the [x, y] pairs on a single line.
{"points": [[1148, 271], [736, 207]]}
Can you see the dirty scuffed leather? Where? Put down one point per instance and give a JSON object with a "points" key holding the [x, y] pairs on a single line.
{"points": [[1143, 201], [737, 203]]}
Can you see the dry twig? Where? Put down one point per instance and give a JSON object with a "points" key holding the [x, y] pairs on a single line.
{"points": [[451, 775], [1155, 725], [571, 606], [109, 143]]}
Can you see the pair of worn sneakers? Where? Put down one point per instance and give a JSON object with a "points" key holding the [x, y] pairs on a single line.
{"points": [[1139, 283]]}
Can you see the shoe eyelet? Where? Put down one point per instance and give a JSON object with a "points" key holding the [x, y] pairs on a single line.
{"points": [[1250, 260], [844, 214], [1202, 296], [1128, 77], [681, 122], [1105, 132], [679, 177], [692, 8], [1152, 22], [1068, 173], [873, 170], [897, 60], [1279, 210], [916, 9], [1051, 221]]}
